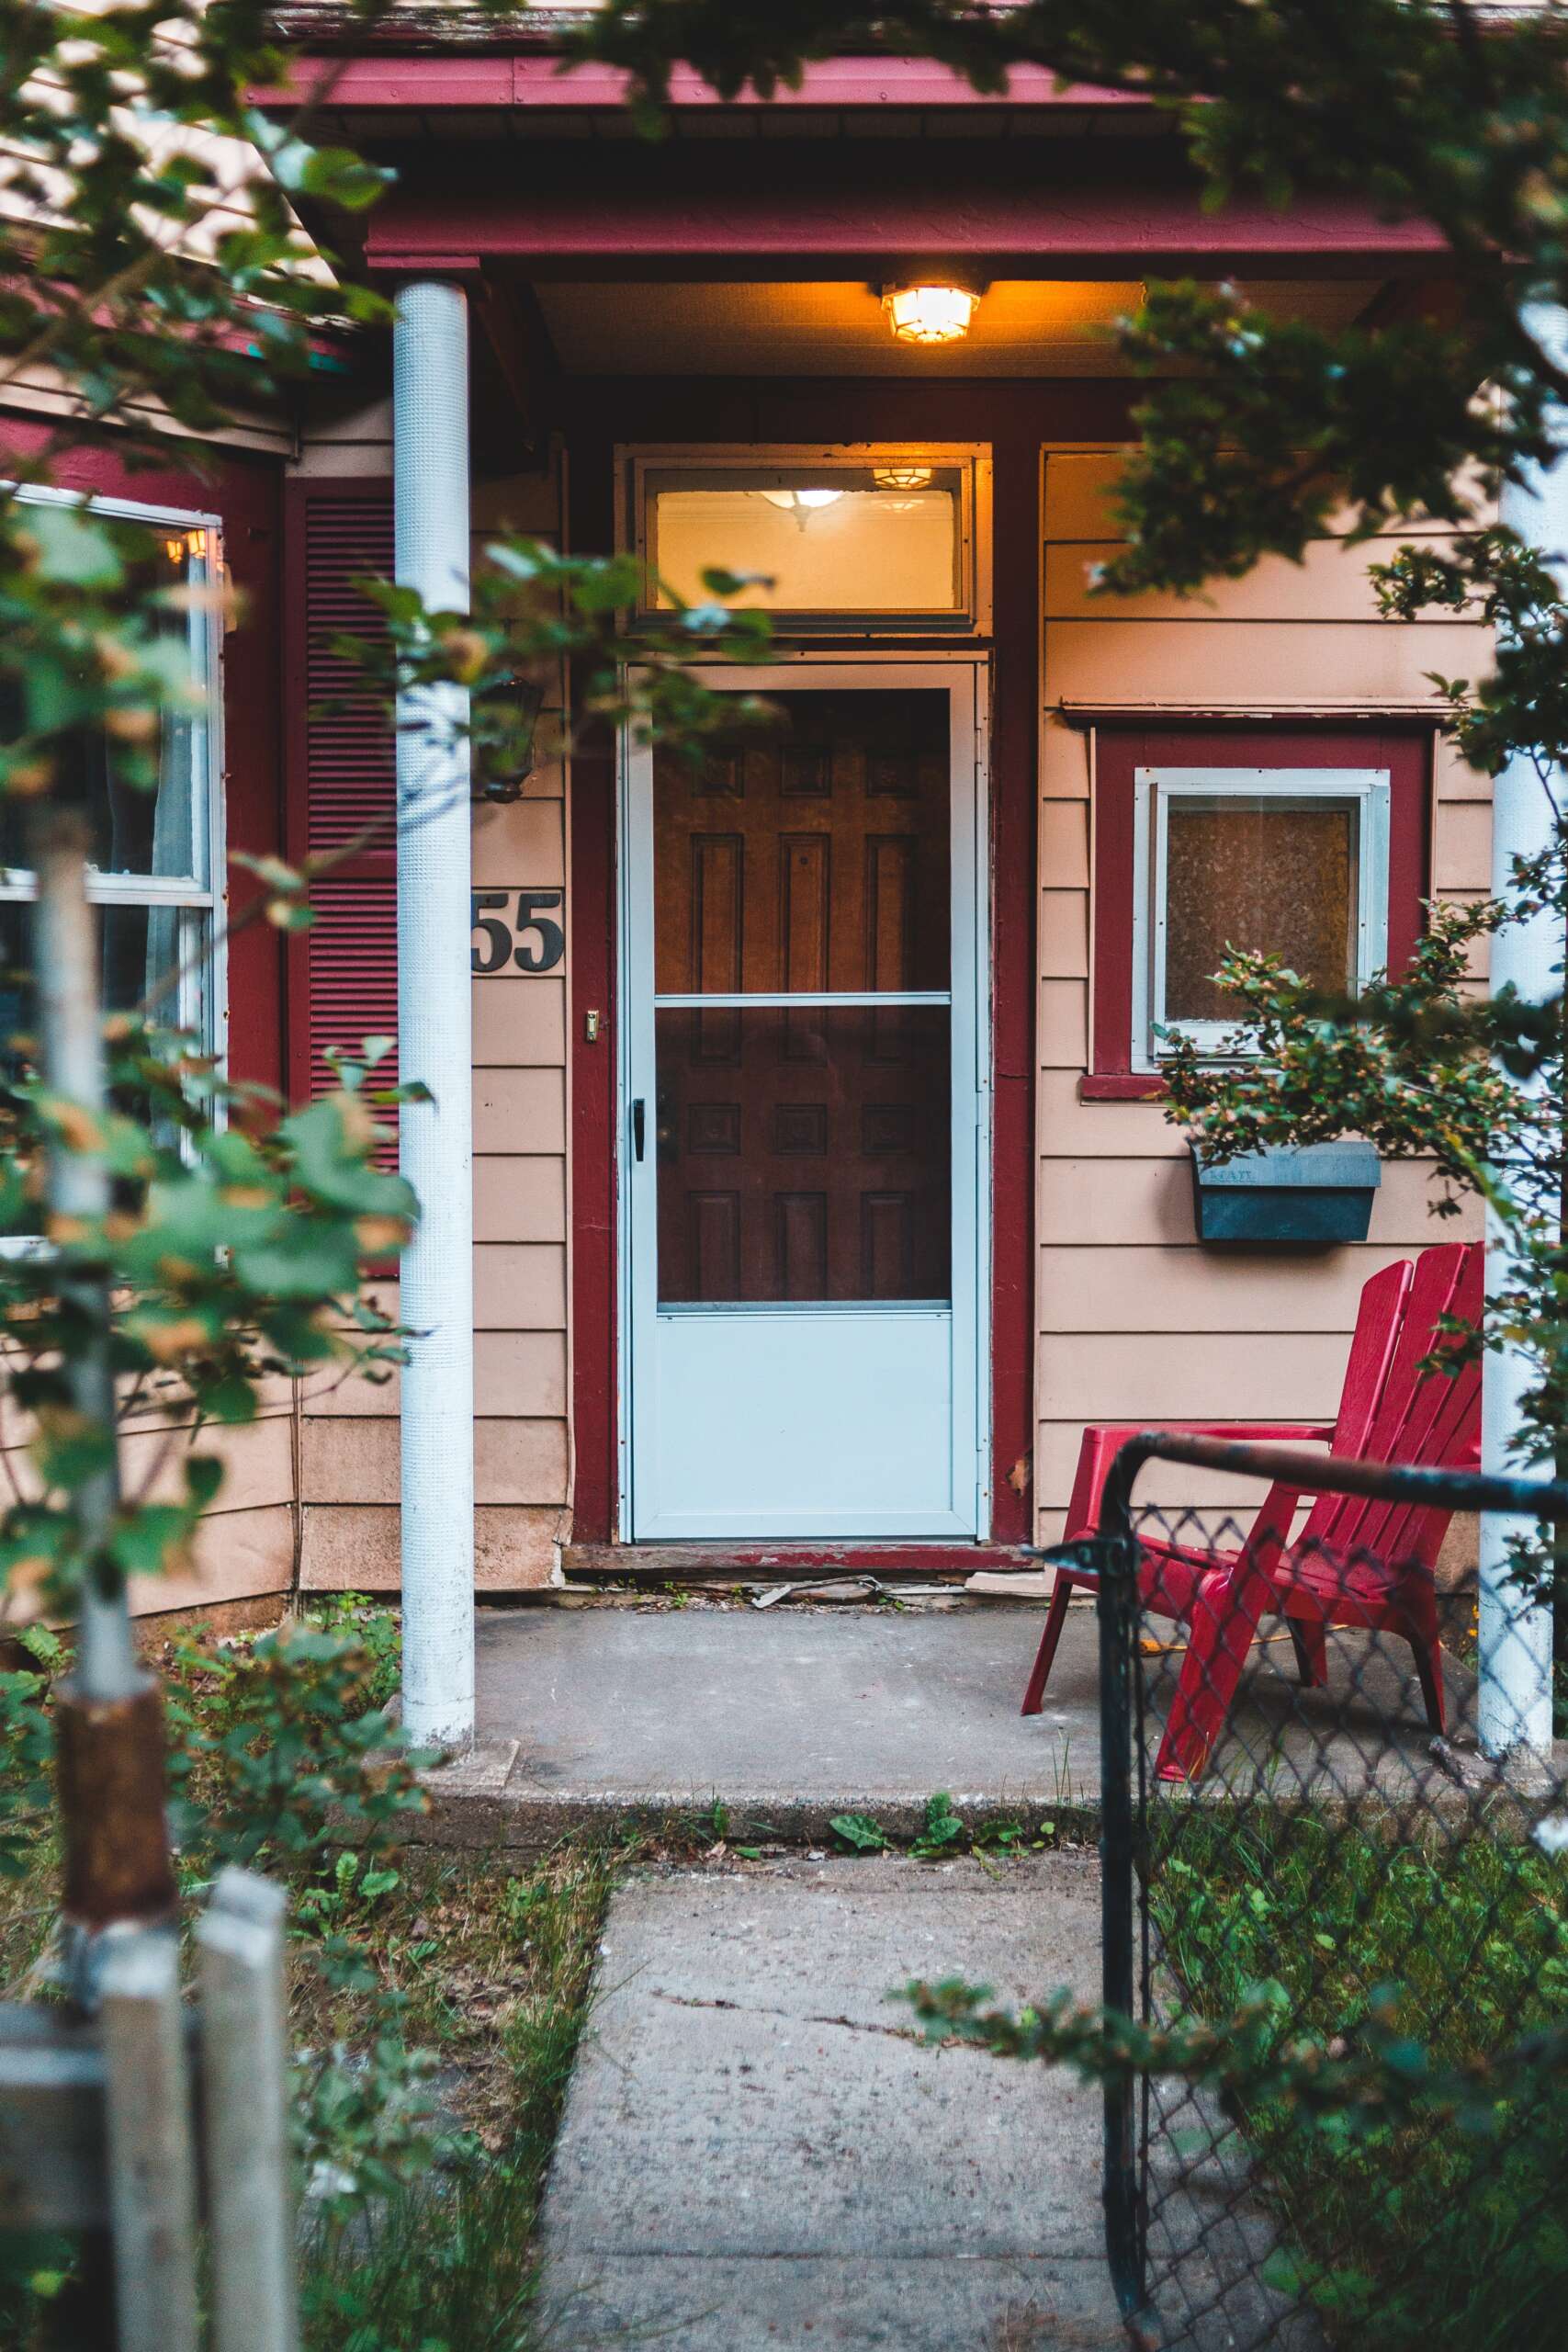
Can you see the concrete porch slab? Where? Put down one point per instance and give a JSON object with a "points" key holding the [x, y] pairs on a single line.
{"points": [[788, 1716], [784, 1717]]}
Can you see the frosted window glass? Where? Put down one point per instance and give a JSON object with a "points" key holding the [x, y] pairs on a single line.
{"points": [[1255, 874], [833, 545]]}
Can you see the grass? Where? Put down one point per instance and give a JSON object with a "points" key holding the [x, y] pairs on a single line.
{"points": [[494, 1970], [436, 1999], [1432, 2237]]}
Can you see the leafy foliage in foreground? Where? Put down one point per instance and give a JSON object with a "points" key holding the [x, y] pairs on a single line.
{"points": [[1464, 1947], [232, 1252], [435, 2000]]}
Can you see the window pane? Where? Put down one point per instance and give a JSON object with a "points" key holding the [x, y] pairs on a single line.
{"points": [[834, 541], [135, 831], [138, 946], [810, 856], [803, 1156], [1256, 873]]}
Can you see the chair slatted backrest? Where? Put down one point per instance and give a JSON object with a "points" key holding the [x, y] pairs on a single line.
{"points": [[1377, 1321], [1421, 1418], [1399, 1535]]}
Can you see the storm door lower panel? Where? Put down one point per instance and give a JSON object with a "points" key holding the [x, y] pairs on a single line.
{"points": [[806, 1424]]}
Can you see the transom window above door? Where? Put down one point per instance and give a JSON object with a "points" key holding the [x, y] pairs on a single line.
{"points": [[843, 539]]}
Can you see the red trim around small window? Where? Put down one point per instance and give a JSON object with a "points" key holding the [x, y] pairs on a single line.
{"points": [[1405, 751]]}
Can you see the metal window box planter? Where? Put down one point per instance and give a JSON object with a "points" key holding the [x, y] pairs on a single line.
{"points": [[1315, 1195]]}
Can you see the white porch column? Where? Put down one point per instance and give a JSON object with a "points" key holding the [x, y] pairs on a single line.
{"points": [[1516, 1640], [429, 407]]}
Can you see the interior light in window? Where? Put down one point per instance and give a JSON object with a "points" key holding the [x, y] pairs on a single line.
{"points": [[901, 477], [929, 313], [801, 503]]}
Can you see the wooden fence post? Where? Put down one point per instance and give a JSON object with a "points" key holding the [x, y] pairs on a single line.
{"points": [[244, 2060], [151, 2168]]}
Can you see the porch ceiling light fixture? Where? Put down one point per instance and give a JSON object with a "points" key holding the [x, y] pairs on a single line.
{"points": [[801, 503], [929, 313], [901, 477]]}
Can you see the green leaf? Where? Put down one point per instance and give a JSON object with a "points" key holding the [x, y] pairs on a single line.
{"points": [[71, 548], [204, 1476], [859, 1831], [143, 1541]]}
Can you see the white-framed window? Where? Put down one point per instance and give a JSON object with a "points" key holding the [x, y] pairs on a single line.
{"points": [[850, 538], [1293, 862], [157, 857]]}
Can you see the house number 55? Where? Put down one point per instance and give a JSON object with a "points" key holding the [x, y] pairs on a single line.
{"points": [[516, 931]]}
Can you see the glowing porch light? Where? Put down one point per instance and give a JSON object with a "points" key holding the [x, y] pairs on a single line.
{"points": [[929, 313], [901, 477], [801, 503]]}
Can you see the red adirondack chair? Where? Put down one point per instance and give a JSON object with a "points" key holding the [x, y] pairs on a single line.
{"points": [[1356, 1562]]}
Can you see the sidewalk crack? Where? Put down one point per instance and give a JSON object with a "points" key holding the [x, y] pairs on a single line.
{"points": [[793, 2017]]}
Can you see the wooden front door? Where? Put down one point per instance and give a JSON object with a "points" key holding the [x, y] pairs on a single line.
{"points": [[804, 1116]]}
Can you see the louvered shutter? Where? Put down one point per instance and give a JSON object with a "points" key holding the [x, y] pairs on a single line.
{"points": [[343, 778]]}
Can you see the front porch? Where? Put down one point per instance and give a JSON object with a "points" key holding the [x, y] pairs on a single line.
{"points": [[820, 1188]]}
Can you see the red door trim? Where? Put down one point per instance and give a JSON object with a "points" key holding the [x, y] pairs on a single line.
{"points": [[864, 414]]}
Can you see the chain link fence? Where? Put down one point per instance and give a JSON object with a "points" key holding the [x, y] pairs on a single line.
{"points": [[1345, 1927]]}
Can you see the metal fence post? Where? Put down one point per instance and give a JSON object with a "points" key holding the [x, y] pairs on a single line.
{"points": [[1116, 1605]]}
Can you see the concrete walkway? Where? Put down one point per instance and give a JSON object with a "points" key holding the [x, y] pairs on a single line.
{"points": [[757, 2154]]}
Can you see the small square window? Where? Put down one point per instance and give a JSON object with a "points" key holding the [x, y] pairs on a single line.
{"points": [[1309, 841], [1290, 861]]}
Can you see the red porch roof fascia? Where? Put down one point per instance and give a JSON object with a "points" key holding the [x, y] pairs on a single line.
{"points": [[429, 83], [642, 224]]}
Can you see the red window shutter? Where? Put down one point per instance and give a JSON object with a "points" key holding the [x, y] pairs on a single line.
{"points": [[343, 778]]}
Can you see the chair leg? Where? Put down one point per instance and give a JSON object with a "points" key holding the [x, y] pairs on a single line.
{"points": [[1216, 1651], [1055, 1618], [1428, 1655], [1312, 1651]]}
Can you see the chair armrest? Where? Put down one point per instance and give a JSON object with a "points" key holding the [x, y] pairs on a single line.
{"points": [[1102, 1442]]}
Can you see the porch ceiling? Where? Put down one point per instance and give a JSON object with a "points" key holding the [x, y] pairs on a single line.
{"points": [[1023, 327]]}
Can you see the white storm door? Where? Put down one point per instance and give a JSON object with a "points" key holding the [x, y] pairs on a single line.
{"points": [[805, 1129]]}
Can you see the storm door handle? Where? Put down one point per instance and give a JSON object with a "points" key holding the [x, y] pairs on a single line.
{"points": [[638, 1120]]}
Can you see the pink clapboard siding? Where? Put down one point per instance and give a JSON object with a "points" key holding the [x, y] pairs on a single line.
{"points": [[1134, 1321]]}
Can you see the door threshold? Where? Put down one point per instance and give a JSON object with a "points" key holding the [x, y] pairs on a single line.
{"points": [[727, 1562]]}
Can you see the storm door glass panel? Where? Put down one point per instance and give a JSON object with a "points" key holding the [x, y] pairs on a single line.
{"points": [[803, 1014], [1255, 874], [803, 1156]]}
